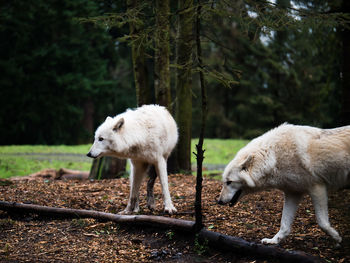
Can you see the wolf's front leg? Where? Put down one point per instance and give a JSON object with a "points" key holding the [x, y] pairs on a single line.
{"points": [[291, 202], [319, 199], [138, 170], [161, 169]]}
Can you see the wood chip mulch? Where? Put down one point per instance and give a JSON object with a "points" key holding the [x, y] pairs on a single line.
{"points": [[33, 239]]}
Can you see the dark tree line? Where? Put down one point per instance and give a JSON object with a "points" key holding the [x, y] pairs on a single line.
{"points": [[265, 63], [59, 78]]}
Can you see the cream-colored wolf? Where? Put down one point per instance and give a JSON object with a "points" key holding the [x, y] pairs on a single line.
{"points": [[297, 160], [146, 136]]}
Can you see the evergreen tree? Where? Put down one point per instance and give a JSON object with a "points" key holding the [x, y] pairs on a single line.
{"points": [[51, 66], [289, 70]]}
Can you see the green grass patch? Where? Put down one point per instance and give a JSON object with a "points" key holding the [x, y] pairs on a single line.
{"points": [[78, 149], [19, 160], [19, 166], [218, 151]]}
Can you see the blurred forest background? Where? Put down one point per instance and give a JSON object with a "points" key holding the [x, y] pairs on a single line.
{"points": [[265, 62]]}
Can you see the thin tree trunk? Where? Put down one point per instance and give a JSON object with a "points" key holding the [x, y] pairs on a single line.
{"points": [[184, 83], [200, 152]]}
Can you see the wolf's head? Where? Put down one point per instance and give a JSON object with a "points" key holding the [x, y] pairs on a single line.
{"points": [[237, 180], [106, 137]]}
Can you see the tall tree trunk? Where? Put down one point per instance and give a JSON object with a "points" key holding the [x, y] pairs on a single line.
{"points": [[110, 167], [143, 92], [184, 83], [345, 81], [279, 76], [162, 53], [162, 64]]}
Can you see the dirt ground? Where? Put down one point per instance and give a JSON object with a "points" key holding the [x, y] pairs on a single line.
{"points": [[33, 239]]}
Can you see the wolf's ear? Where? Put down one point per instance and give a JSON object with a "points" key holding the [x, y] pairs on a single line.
{"points": [[247, 162], [118, 125], [244, 167], [248, 179], [108, 118]]}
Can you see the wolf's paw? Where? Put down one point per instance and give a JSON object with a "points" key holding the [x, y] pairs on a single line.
{"points": [[338, 242], [152, 206], [129, 211], [170, 209], [337, 245], [125, 212], [269, 241]]}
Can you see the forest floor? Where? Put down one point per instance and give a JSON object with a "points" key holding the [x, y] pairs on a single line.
{"points": [[34, 239]]}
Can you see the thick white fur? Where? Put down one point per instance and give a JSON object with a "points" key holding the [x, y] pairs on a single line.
{"points": [[146, 136], [297, 160]]}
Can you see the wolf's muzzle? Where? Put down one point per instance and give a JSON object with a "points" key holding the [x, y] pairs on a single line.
{"points": [[221, 202], [235, 197]]}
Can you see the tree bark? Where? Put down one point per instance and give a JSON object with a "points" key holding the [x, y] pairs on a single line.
{"points": [[143, 92], [107, 168], [162, 54], [184, 49], [162, 64], [217, 240]]}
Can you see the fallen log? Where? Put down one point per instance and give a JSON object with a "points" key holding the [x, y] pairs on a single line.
{"points": [[52, 174], [67, 174], [158, 221], [241, 246], [217, 240], [43, 174]]}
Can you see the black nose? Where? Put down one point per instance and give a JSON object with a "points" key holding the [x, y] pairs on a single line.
{"points": [[89, 154], [220, 202]]}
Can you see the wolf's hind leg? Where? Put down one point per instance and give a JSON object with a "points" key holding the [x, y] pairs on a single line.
{"points": [[150, 185], [320, 201], [291, 202]]}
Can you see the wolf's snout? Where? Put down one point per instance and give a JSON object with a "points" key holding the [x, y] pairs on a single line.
{"points": [[89, 155]]}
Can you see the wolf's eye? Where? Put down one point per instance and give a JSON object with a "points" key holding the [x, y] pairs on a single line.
{"points": [[100, 139], [229, 182]]}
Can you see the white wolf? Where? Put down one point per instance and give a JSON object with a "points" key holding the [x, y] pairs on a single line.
{"points": [[297, 160], [147, 136]]}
